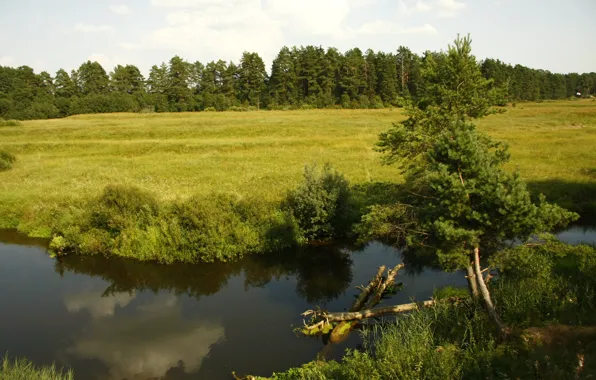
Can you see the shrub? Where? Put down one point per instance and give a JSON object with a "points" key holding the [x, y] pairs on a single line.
{"points": [[322, 204], [6, 160], [210, 109], [128, 222], [9, 123], [239, 109]]}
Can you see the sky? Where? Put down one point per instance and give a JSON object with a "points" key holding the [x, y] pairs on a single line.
{"points": [[555, 35]]}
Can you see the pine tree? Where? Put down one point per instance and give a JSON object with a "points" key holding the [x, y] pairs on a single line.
{"points": [[461, 200], [282, 84], [251, 79], [178, 91], [92, 78]]}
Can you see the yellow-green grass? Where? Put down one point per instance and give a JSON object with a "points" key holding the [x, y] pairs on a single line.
{"points": [[258, 154]]}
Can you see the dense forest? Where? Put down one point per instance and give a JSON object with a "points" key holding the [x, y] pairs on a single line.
{"points": [[305, 77]]}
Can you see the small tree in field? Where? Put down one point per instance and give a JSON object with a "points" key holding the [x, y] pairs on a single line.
{"points": [[460, 201]]}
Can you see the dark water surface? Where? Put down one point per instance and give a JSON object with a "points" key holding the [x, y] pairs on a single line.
{"points": [[120, 319]]}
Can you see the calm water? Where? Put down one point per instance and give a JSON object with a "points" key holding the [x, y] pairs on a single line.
{"points": [[119, 319]]}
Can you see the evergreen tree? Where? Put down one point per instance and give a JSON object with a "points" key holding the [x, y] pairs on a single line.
{"points": [[251, 79], [461, 200], [282, 84], [387, 87], [178, 91], [92, 78], [64, 85], [127, 79]]}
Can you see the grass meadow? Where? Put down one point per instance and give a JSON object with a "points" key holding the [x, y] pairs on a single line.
{"points": [[262, 154]]}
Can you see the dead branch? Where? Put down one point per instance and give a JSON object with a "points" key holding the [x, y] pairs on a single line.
{"points": [[374, 283], [372, 313], [382, 287]]}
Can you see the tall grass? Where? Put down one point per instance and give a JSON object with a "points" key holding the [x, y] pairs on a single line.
{"points": [[538, 286], [260, 154], [22, 369]]}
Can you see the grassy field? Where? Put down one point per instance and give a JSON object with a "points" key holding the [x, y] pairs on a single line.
{"points": [[262, 153]]}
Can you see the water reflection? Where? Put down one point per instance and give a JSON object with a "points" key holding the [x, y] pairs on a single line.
{"points": [[322, 273], [147, 341]]}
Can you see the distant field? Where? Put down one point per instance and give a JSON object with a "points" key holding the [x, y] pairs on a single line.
{"points": [[259, 153]]}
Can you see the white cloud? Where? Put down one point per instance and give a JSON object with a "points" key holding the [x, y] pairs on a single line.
{"points": [[362, 3], [129, 46], [121, 9], [193, 3], [7, 60], [106, 62], [422, 7], [88, 28], [95, 304], [449, 8], [380, 27], [124, 345]]}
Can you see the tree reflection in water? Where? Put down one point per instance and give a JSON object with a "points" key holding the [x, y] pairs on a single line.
{"points": [[322, 273]]}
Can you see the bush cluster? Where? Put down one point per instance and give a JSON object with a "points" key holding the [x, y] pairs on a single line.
{"points": [[6, 160], [129, 222]]}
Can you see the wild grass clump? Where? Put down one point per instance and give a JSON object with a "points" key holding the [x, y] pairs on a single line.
{"points": [[322, 204], [6, 160], [10, 123], [552, 282], [128, 222], [22, 369], [539, 285]]}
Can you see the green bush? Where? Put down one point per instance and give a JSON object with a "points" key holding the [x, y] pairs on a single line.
{"points": [[9, 123], [322, 205], [6, 160], [128, 222]]}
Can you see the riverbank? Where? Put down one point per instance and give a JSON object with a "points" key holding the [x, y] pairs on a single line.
{"points": [[254, 159], [545, 294]]}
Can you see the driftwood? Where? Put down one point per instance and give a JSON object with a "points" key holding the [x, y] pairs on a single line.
{"points": [[341, 331], [365, 293], [370, 296], [372, 313]]}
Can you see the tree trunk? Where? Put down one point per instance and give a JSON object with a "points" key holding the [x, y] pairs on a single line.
{"points": [[374, 283], [341, 331], [383, 286], [490, 308], [371, 313], [472, 285]]}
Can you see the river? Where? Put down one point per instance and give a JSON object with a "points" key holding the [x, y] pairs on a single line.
{"points": [[113, 319]]}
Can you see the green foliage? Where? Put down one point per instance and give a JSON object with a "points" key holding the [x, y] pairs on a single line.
{"points": [[6, 160], [322, 204], [548, 281], [128, 222], [22, 369], [461, 195], [541, 284], [10, 123]]}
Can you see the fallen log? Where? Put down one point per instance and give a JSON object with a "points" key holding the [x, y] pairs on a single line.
{"points": [[373, 284], [372, 313], [342, 330], [381, 289]]}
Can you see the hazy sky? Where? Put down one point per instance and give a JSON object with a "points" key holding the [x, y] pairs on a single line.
{"points": [[556, 35]]}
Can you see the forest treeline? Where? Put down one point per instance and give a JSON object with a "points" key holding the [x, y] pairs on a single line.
{"points": [[305, 77]]}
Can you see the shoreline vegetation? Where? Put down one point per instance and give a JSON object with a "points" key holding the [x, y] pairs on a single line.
{"points": [[22, 369], [231, 176], [458, 192]]}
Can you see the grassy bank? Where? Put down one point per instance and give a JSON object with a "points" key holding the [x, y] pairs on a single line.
{"points": [[546, 295], [22, 369], [254, 158]]}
